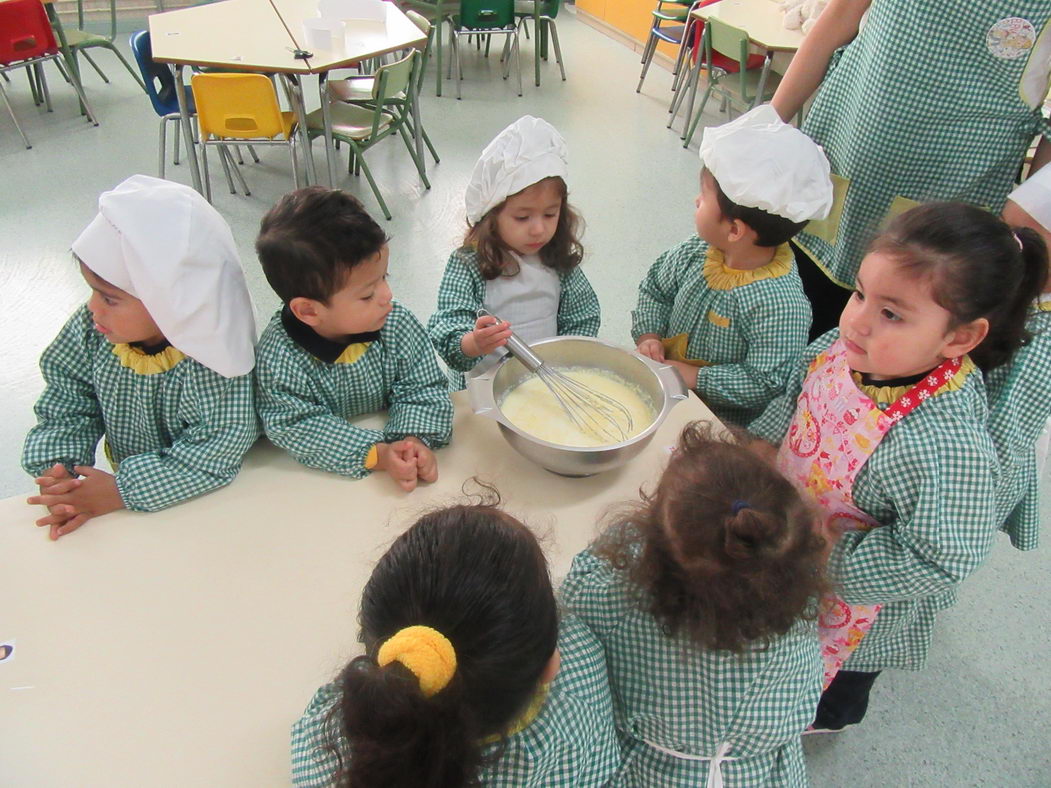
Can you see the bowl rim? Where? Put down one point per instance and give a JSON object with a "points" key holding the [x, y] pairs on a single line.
{"points": [[651, 365]]}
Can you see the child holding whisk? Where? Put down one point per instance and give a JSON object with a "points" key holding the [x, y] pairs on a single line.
{"points": [[520, 259]]}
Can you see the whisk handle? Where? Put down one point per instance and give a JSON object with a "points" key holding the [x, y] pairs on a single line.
{"points": [[517, 347]]}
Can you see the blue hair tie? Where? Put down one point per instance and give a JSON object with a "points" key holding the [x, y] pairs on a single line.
{"points": [[737, 506]]}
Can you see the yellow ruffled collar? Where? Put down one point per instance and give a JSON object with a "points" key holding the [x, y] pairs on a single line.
{"points": [[142, 363], [720, 277], [888, 395], [1043, 303], [528, 716]]}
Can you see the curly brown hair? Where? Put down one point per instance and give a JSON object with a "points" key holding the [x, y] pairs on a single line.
{"points": [[724, 550], [563, 252]]}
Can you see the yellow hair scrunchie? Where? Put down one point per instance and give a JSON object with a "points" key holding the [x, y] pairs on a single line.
{"points": [[424, 651]]}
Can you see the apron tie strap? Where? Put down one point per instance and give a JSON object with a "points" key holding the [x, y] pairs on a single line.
{"points": [[715, 762]]}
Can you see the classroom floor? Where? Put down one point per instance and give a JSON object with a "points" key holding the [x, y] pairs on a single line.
{"points": [[980, 714]]}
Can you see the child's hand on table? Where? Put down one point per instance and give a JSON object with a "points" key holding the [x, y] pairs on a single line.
{"points": [[426, 462], [687, 371], [407, 461], [650, 346], [72, 502], [489, 334]]}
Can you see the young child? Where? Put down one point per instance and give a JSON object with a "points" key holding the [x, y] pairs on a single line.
{"points": [[520, 257], [157, 361], [704, 598], [341, 347], [726, 307], [468, 678], [884, 424], [1020, 390]]}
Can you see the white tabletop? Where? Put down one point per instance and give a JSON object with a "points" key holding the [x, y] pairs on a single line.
{"points": [[763, 20], [176, 648]]}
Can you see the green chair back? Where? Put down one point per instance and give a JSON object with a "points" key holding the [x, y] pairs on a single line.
{"points": [[730, 42], [486, 14]]}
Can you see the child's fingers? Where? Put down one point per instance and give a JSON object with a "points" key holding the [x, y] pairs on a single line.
{"points": [[53, 519], [60, 487], [69, 527]]}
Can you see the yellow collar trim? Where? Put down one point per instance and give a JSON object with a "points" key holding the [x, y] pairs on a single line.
{"points": [[720, 277], [528, 716], [1043, 303], [352, 353], [888, 395], [143, 364]]}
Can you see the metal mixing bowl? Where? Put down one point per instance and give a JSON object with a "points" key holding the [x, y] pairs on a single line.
{"points": [[659, 382]]}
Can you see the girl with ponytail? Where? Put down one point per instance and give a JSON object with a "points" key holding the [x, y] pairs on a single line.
{"points": [[467, 677], [884, 425], [704, 598]]}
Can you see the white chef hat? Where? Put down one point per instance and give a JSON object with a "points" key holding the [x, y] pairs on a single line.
{"points": [[164, 244], [762, 162], [527, 151], [1034, 196]]}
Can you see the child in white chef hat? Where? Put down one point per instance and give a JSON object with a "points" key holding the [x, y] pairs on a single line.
{"points": [[157, 361], [520, 257], [1020, 390], [726, 307]]}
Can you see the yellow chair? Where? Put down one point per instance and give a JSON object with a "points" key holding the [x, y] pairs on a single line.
{"points": [[236, 108]]}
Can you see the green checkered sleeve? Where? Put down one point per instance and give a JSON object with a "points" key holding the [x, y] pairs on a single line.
{"points": [[419, 396], [460, 295], [314, 759], [658, 289], [578, 308], [931, 483], [772, 424], [296, 418], [69, 417], [218, 426], [773, 328]]}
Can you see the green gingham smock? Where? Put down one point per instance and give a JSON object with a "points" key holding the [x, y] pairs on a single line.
{"points": [[1019, 408], [669, 692], [933, 100], [931, 483], [749, 330], [304, 402], [171, 435], [570, 743], [460, 296]]}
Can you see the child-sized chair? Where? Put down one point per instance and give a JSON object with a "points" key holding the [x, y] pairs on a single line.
{"points": [[490, 18], [361, 127], [80, 41], [236, 108], [670, 23], [741, 88], [160, 87], [27, 41], [548, 12]]}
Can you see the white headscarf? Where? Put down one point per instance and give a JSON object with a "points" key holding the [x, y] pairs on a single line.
{"points": [[164, 244], [527, 151], [1034, 196], [762, 162]]}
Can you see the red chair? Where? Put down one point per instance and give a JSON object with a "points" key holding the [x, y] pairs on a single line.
{"points": [[26, 40]]}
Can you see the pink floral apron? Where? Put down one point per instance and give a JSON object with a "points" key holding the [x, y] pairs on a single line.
{"points": [[834, 431]]}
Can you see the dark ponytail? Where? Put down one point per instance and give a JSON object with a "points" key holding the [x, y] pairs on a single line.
{"points": [[725, 550], [978, 266], [479, 577]]}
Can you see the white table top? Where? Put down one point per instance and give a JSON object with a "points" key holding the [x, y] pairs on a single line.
{"points": [[176, 648], [763, 20], [250, 35]]}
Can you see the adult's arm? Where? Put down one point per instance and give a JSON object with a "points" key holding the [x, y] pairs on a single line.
{"points": [[836, 27]]}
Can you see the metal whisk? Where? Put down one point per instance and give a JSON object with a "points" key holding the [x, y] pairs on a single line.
{"points": [[590, 411]]}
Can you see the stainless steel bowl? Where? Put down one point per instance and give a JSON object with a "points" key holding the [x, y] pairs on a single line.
{"points": [[659, 382]]}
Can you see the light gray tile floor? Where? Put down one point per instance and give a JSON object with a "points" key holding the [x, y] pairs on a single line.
{"points": [[980, 714]]}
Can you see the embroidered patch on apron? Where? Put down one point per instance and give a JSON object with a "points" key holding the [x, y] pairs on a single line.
{"points": [[1011, 38]]}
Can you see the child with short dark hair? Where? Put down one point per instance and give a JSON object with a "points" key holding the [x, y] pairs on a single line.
{"points": [[884, 425], [704, 597], [157, 362], [468, 677], [341, 347], [521, 257], [727, 307]]}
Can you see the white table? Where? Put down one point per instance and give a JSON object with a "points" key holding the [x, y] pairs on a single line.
{"points": [[176, 648], [255, 35]]}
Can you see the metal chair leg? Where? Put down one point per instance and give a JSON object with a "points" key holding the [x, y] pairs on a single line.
{"points": [[178, 130], [162, 147], [224, 159], [204, 170], [10, 109], [558, 49], [94, 65]]}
